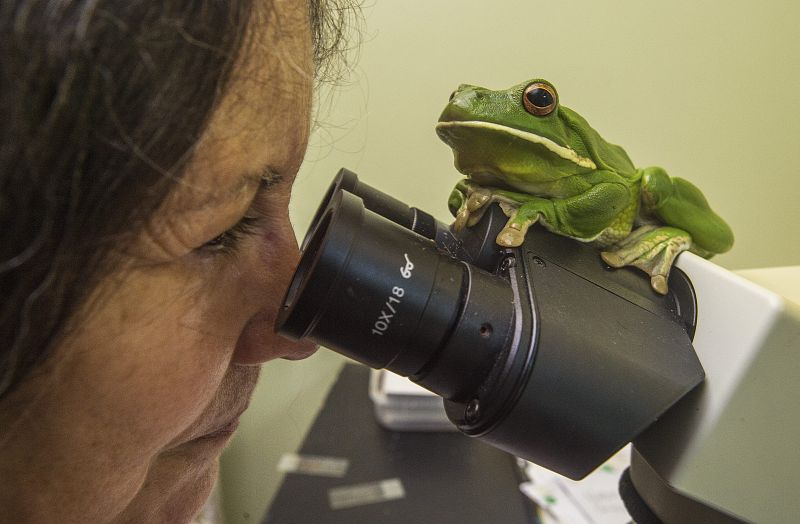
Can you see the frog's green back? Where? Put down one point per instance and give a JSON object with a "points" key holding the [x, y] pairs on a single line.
{"points": [[606, 155]]}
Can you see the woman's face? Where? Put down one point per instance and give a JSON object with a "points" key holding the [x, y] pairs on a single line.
{"points": [[128, 418]]}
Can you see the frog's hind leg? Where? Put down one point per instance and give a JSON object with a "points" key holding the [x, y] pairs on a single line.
{"points": [[652, 249]]}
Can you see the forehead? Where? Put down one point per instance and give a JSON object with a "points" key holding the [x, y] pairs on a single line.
{"points": [[260, 125]]}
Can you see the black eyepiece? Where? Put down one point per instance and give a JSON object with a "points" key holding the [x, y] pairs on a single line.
{"points": [[387, 297], [377, 201]]}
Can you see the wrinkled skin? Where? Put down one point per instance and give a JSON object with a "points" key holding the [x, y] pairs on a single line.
{"points": [[127, 419]]}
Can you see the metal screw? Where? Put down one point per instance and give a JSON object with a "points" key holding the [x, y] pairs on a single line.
{"points": [[473, 411], [507, 263]]}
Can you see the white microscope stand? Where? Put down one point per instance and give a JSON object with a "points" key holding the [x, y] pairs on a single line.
{"points": [[733, 444]]}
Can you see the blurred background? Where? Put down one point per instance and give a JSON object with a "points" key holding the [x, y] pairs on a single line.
{"points": [[708, 90]]}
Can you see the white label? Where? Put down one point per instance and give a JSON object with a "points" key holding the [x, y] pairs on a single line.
{"points": [[405, 271], [368, 493], [313, 465], [393, 300]]}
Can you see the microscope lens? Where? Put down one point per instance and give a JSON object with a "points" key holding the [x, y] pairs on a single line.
{"points": [[385, 296]]}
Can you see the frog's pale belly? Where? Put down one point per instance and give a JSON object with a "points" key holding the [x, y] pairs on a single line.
{"points": [[545, 189], [620, 228]]}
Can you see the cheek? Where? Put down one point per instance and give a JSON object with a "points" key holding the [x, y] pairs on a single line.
{"points": [[129, 380], [157, 353], [160, 370]]}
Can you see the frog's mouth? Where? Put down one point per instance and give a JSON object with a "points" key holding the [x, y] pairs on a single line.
{"points": [[566, 153]]}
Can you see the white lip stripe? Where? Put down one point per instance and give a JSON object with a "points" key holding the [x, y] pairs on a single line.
{"points": [[564, 152]]}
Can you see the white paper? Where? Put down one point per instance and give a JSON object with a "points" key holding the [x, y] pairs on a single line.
{"points": [[593, 500], [367, 493], [315, 465]]}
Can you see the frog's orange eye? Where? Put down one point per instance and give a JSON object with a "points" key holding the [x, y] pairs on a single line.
{"points": [[540, 99]]}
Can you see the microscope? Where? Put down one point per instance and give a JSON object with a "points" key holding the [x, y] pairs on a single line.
{"points": [[547, 353]]}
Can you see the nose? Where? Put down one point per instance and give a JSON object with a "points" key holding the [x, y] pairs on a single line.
{"points": [[466, 94], [258, 342], [459, 90]]}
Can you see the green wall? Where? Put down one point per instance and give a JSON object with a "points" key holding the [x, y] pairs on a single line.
{"points": [[708, 90]]}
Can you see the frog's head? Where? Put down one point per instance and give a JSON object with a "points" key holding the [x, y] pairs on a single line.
{"points": [[515, 136]]}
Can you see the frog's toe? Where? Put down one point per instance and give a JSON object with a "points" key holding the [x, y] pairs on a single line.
{"points": [[462, 217], [478, 198], [513, 234], [659, 284], [510, 237], [612, 259]]}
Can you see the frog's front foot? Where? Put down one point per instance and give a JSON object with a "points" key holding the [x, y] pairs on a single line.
{"points": [[520, 219], [472, 208], [652, 249]]}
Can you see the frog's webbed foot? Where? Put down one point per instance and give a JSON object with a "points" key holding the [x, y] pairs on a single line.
{"points": [[652, 249]]}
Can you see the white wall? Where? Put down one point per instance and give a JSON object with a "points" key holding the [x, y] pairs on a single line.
{"points": [[708, 90]]}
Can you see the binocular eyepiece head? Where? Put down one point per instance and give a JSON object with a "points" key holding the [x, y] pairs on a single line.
{"points": [[529, 346]]}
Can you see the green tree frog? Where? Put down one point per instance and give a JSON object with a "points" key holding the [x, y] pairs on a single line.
{"points": [[542, 162]]}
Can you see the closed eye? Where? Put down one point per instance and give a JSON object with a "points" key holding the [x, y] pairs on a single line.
{"points": [[228, 241]]}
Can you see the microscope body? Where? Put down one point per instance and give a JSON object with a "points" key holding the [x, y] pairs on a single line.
{"points": [[594, 358], [545, 352]]}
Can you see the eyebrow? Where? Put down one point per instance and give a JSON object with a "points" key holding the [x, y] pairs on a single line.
{"points": [[266, 176], [262, 179]]}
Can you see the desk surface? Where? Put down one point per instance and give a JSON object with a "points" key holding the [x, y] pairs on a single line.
{"points": [[448, 477]]}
